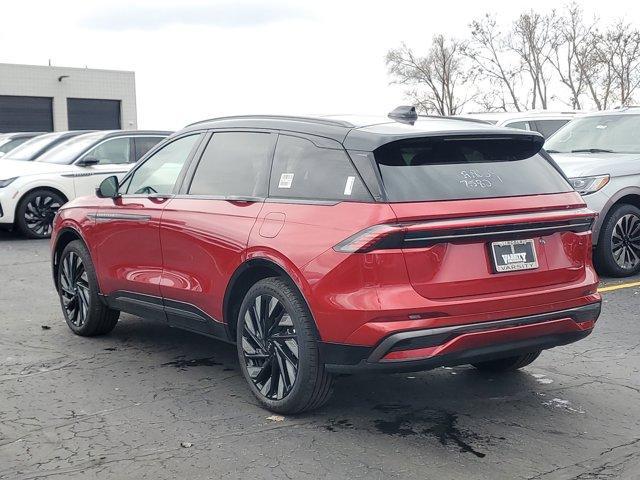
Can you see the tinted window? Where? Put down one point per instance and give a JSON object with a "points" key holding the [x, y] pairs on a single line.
{"points": [[234, 164], [519, 125], [303, 170], [143, 145], [113, 151], [549, 127], [158, 174], [444, 169], [615, 133]]}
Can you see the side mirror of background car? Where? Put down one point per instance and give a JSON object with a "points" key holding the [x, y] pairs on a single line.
{"points": [[108, 188], [87, 161]]}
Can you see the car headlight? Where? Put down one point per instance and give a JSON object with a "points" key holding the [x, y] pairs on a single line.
{"points": [[4, 183], [587, 185]]}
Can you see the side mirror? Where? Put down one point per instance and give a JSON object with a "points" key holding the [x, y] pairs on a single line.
{"points": [[88, 161], [108, 188]]}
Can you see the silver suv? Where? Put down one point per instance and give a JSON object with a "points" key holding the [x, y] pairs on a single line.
{"points": [[600, 153]]}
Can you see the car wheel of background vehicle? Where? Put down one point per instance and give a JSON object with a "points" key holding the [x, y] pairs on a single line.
{"points": [[278, 349], [35, 212], [85, 314], [618, 250], [507, 364]]}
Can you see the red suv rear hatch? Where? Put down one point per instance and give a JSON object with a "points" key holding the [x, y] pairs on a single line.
{"points": [[483, 215]]}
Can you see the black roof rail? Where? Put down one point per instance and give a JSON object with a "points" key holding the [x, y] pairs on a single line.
{"points": [[293, 118]]}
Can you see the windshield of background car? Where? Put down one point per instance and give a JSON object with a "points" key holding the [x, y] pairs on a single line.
{"points": [[66, 152], [453, 169], [615, 133], [31, 148], [8, 144]]}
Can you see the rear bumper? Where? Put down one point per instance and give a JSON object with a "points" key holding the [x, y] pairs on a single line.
{"points": [[462, 344]]}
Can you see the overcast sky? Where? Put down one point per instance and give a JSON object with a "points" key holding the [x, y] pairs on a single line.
{"points": [[196, 60]]}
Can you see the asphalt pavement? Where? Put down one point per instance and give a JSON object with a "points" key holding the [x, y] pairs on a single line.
{"points": [[148, 401]]}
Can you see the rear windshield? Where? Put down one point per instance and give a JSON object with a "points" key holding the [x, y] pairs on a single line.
{"points": [[455, 169]]}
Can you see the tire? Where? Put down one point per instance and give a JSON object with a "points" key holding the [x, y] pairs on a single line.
{"points": [[83, 310], [507, 364], [617, 253], [35, 212], [268, 364]]}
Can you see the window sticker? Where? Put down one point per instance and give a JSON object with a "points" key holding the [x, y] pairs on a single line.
{"points": [[286, 179], [348, 188]]}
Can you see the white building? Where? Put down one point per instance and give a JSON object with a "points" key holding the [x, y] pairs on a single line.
{"points": [[43, 98]]}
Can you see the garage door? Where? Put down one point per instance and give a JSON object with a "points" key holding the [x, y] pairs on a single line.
{"points": [[26, 114], [93, 114]]}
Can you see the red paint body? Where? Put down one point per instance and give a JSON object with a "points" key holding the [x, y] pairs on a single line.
{"points": [[190, 249]]}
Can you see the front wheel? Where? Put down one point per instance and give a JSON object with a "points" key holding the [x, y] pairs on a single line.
{"points": [[618, 250], [278, 349], [507, 364], [35, 212], [83, 311]]}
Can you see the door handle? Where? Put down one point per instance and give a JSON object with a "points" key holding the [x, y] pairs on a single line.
{"points": [[242, 198], [159, 196]]}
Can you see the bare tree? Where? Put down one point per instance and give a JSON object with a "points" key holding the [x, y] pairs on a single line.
{"points": [[488, 53], [572, 53], [532, 40], [435, 80], [619, 49]]}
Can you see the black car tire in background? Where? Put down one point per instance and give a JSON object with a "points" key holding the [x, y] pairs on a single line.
{"points": [[618, 250], [35, 212], [77, 285], [276, 335]]}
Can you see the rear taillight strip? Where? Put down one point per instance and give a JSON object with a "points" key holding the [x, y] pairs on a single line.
{"points": [[412, 235], [425, 238]]}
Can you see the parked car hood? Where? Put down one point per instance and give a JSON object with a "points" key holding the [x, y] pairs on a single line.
{"points": [[588, 164], [17, 168]]}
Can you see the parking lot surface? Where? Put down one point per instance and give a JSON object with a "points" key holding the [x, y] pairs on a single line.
{"points": [[148, 401]]}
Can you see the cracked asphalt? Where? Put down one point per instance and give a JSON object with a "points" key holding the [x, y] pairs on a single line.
{"points": [[152, 402]]}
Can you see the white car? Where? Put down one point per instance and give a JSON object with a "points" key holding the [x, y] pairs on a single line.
{"points": [[31, 192], [544, 122]]}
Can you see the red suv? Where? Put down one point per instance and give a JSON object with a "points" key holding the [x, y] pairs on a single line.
{"points": [[340, 244]]}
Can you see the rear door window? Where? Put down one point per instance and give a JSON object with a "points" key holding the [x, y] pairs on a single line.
{"points": [[549, 127], [143, 145], [519, 125], [302, 170], [454, 169], [234, 164]]}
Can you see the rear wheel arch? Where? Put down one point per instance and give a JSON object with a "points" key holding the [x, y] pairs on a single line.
{"points": [[628, 198], [247, 275]]}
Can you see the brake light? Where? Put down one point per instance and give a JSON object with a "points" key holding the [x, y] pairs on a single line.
{"points": [[373, 238]]}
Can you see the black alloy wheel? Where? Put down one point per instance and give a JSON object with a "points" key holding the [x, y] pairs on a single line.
{"points": [[85, 313], [36, 211], [270, 347], [618, 250], [74, 289], [625, 242], [278, 348]]}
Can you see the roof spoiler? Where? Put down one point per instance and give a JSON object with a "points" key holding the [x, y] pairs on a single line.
{"points": [[404, 114]]}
